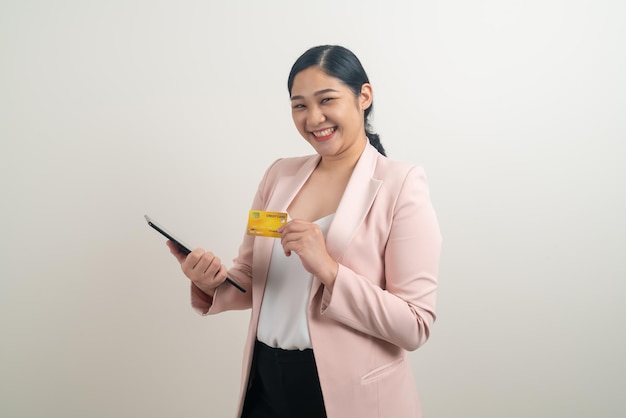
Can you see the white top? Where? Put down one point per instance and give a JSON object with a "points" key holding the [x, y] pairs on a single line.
{"points": [[283, 319]]}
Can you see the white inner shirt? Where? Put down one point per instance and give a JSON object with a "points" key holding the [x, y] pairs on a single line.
{"points": [[283, 318]]}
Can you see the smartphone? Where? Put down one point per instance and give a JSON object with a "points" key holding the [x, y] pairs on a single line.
{"points": [[183, 247]]}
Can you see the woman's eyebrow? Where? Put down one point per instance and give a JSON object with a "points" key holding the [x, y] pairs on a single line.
{"points": [[317, 93]]}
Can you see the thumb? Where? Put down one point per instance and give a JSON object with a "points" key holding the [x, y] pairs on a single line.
{"points": [[180, 256]]}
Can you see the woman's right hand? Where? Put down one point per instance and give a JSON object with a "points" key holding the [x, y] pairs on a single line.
{"points": [[204, 269]]}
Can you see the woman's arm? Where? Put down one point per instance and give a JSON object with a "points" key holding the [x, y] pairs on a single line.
{"points": [[403, 309]]}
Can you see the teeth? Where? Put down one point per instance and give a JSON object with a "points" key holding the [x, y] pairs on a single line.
{"points": [[325, 132]]}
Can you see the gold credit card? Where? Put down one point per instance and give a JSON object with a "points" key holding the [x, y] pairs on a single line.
{"points": [[265, 224]]}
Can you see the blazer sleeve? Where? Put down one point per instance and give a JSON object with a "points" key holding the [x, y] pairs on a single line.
{"points": [[227, 297], [402, 310]]}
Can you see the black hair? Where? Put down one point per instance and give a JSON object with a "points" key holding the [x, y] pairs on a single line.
{"points": [[341, 63]]}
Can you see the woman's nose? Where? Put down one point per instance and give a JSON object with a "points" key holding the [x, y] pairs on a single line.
{"points": [[315, 116]]}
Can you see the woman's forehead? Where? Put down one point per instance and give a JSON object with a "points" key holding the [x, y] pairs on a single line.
{"points": [[314, 80]]}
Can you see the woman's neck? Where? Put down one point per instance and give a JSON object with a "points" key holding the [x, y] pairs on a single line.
{"points": [[343, 162]]}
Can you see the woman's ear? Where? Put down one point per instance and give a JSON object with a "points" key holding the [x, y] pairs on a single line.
{"points": [[366, 96]]}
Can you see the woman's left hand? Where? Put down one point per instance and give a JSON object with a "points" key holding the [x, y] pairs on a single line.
{"points": [[307, 241]]}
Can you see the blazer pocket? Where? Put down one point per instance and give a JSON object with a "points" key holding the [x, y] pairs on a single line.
{"points": [[381, 371]]}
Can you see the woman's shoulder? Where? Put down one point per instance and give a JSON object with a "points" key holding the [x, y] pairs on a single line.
{"points": [[290, 165], [400, 178], [389, 168], [287, 166]]}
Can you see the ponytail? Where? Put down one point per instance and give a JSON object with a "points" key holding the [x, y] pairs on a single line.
{"points": [[374, 138], [375, 141]]}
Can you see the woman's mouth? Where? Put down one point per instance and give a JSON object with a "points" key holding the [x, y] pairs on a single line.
{"points": [[324, 134]]}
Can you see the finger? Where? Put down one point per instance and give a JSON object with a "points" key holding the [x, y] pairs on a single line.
{"points": [[211, 281], [295, 225], [197, 263], [176, 251], [194, 258], [288, 241], [306, 235], [213, 266], [297, 246], [222, 273]]}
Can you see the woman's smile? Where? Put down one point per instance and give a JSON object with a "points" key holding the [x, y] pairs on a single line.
{"points": [[324, 134]]}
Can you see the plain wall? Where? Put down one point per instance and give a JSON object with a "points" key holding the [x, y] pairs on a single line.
{"points": [[113, 109]]}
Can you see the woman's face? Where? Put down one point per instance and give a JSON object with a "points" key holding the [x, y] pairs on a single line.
{"points": [[327, 114]]}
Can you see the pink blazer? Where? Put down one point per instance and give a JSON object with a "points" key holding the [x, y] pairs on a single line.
{"points": [[386, 239]]}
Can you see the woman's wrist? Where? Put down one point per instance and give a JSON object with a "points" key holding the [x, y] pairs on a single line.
{"points": [[330, 275], [208, 292]]}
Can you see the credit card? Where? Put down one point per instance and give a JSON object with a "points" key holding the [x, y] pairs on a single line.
{"points": [[265, 224]]}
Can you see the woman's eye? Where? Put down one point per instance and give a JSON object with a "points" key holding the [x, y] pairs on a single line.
{"points": [[298, 106], [326, 99]]}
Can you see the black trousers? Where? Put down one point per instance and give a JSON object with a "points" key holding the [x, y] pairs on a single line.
{"points": [[283, 384]]}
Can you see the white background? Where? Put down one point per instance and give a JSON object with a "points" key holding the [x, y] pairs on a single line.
{"points": [[113, 109]]}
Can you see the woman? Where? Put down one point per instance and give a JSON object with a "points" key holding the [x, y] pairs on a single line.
{"points": [[350, 286]]}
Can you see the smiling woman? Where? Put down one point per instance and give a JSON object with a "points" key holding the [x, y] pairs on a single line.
{"points": [[349, 287], [342, 65], [328, 115]]}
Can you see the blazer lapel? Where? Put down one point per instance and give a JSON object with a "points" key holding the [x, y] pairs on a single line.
{"points": [[288, 186], [355, 203], [284, 192], [354, 206]]}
